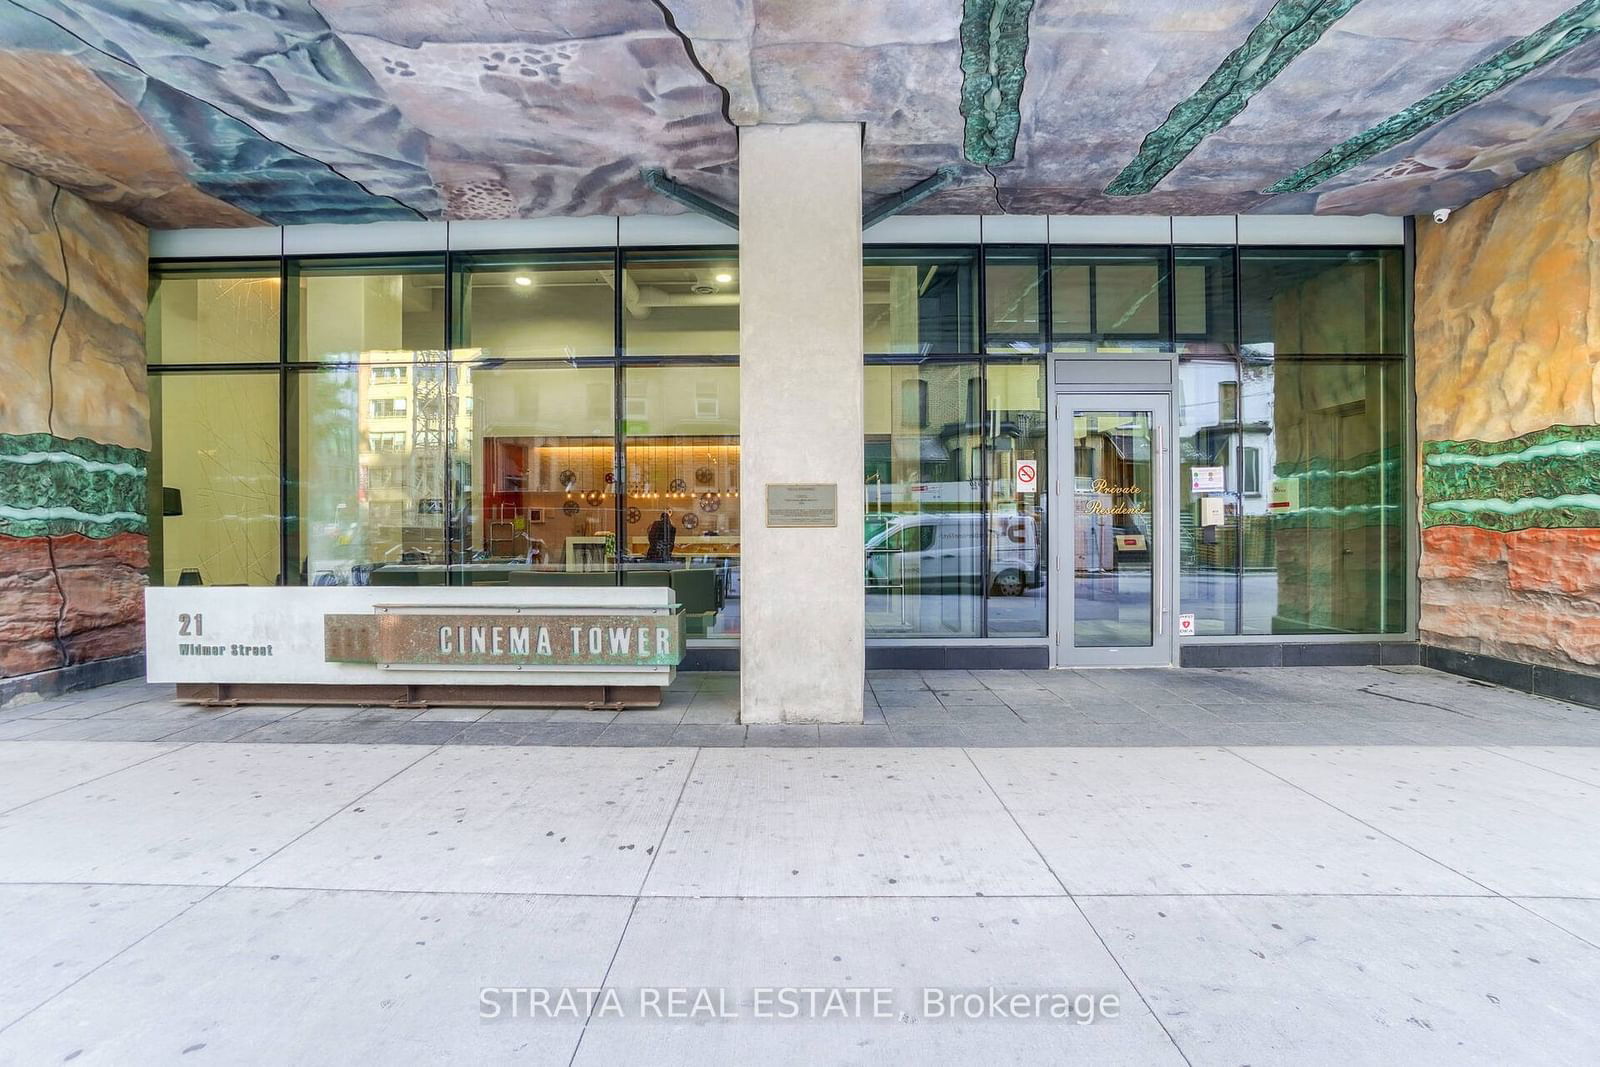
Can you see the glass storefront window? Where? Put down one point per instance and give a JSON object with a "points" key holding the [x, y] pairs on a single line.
{"points": [[1203, 293], [1323, 542], [1210, 480], [530, 449], [533, 475], [1017, 440], [365, 310], [366, 476], [681, 500], [1013, 299], [924, 516], [1322, 301], [920, 301], [535, 307], [214, 479], [1109, 299], [213, 313], [681, 303]]}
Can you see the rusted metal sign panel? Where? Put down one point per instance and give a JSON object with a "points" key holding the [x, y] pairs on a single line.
{"points": [[508, 641]]}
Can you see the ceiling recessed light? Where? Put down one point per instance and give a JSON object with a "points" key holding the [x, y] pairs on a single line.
{"points": [[724, 278], [523, 279]]}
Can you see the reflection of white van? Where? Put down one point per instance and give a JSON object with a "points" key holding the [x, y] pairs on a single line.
{"points": [[945, 551]]}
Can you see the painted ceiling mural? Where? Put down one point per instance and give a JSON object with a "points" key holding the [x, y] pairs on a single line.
{"points": [[222, 112]]}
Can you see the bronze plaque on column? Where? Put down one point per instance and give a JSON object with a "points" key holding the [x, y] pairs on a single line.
{"points": [[803, 504]]}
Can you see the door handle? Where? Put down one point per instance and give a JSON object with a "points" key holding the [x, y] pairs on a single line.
{"points": [[1156, 542]]}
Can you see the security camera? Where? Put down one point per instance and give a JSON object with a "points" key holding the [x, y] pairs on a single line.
{"points": [[1441, 215]]}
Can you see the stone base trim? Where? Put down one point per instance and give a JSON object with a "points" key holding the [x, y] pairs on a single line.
{"points": [[1554, 682], [592, 697], [41, 685], [1301, 654], [957, 657]]}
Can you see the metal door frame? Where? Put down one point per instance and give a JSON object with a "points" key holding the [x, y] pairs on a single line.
{"points": [[1141, 394]]}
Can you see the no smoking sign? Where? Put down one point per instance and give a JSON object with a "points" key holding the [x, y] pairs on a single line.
{"points": [[1027, 476]]}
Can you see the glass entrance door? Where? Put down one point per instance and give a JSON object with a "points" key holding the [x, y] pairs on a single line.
{"points": [[1116, 490]]}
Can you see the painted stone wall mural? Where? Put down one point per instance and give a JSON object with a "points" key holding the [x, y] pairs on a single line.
{"points": [[1508, 391], [74, 429]]}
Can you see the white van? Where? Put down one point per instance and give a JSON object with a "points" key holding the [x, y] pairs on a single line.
{"points": [[944, 550]]}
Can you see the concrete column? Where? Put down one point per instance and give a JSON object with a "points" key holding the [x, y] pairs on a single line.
{"points": [[802, 608]]}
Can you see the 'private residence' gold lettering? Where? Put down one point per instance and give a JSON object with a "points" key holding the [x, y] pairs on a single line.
{"points": [[1100, 485]]}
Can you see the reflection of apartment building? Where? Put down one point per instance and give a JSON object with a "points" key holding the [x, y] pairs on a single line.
{"points": [[404, 429]]}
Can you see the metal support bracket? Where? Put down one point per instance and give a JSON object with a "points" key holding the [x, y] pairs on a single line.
{"points": [[655, 178], [910, 196]]}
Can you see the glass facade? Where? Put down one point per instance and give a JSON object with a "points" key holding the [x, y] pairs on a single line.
{"points": [[924, 502], [215, 314], [522, 306], [512, 419], [573, 418], [1110, 299], [680, 304], [215, 482], [1291, 386], [955, 403], [1305, 417]]}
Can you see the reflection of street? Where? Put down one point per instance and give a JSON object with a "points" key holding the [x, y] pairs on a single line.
{"points": [[1112, 609], [1213, 595], [954, 614]]}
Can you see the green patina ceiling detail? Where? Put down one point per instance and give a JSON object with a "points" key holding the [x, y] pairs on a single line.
{"points": [[1548, 478], [49, 485], [1290, 28], [1555, 39], [994, 47]]}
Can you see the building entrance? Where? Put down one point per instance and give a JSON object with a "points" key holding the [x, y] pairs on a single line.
{"points": [[1114, 495]]}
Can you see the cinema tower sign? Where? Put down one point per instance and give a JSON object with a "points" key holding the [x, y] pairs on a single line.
{"points": [[466, 645]]}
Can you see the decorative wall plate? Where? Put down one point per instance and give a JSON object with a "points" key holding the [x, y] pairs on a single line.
{"points": [[633, 516], [704, 476], [594, 498], [569, 478], [570, 508], [710, 502], [678, 485], [690, 522]]}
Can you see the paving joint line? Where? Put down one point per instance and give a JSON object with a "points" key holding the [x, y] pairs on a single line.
{"points": [[214, 890], [1105, 947], [89, 781], [637, 896], [1231, 750], [1559, 774]]}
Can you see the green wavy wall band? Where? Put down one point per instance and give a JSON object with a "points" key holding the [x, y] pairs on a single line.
{"points": [[53, 486], [1547, 478]]}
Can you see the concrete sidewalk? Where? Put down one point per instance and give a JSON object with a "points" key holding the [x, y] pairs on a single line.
{"points": [[971, 709], [328, 903]]}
